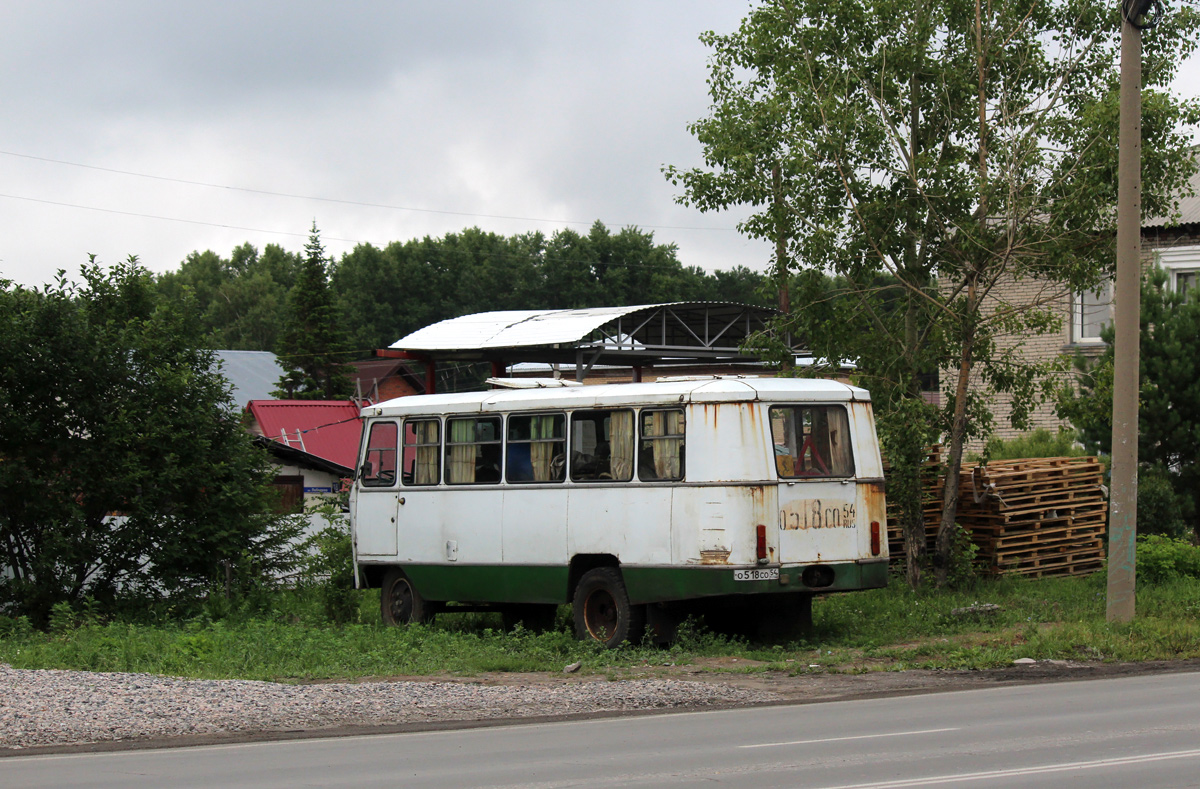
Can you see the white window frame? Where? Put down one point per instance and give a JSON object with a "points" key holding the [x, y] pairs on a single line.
{"points": [[1178, 260], [1077, 313]]}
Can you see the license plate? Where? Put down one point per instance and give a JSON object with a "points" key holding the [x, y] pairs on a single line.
{"points": [[765, 574]]}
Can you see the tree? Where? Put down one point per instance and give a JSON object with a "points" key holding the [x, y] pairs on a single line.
{"points": [[313, 347], [124, 470], [1169, 400], [954, 146], [241, 300]]}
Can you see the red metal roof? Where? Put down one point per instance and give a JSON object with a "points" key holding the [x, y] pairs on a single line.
{"points": [[329, 429]]}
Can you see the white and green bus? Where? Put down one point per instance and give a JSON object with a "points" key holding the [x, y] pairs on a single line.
{"points": [[626, 500]]}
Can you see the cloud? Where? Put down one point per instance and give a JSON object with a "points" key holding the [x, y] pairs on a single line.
{"points": [[543, 110], [555, 112]]}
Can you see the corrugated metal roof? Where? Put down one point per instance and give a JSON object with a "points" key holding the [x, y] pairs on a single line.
{"points": [[515, 328], [329, 429], [649, 334], [254, 374], [1189, 207]]}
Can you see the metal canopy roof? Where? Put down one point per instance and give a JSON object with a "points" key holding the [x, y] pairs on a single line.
{"points": [[649, 334]]}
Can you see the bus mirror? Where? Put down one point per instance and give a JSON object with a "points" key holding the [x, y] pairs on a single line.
{"points": [[364, 471]]}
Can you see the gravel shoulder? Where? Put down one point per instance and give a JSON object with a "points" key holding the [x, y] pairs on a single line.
{"points": [[56, 711]]}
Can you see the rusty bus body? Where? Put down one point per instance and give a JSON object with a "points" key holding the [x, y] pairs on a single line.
{"points": [[624, 499]]}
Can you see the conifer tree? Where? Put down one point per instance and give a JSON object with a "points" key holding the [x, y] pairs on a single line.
{"points": [[314, 340]]}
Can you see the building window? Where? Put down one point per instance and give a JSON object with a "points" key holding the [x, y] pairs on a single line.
{"points": [[811, 441], [1186, 280], [601, 446], [1182, 265], [661, 455], [1091, 312], [473, 450]]}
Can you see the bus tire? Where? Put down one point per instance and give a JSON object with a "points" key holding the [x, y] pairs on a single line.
{"points": [[602, 610], [399, 601]]}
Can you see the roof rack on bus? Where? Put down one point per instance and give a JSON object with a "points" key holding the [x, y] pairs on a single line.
{"points": [[530, 383], [727, 377]]}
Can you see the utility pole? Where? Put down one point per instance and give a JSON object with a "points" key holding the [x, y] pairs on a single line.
{"points": [[1122, 519]]}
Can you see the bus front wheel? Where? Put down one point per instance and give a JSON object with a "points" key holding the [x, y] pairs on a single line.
{"points": [[602, 609], [400, 602]]}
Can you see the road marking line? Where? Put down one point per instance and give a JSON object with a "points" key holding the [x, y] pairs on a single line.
{"points": [[843, 739], [1019, 771]]}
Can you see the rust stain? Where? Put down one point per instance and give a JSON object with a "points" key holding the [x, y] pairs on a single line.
{"points": [[714, 557], [873, 501], [758, 505]]}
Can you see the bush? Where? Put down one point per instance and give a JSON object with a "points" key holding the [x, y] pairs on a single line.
{"points": [[1163, 559], [1041, 443], [109, 403], [962, 572], [330, 564], [1160, 510]]}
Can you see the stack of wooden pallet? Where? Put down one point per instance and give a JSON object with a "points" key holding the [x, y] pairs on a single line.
{"points": [[931, 507], [1038, 517]]}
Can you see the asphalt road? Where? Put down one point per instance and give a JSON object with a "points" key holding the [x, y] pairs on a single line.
{"points": [[1129, 732]]}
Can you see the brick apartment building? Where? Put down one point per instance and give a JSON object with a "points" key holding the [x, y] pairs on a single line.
{"points": [[1173, 246]]}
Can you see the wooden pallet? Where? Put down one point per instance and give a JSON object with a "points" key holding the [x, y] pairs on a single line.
{"points": [[1038, 517], [1035, 517], [1078, 568], [1038, 540], [1022, 519]]}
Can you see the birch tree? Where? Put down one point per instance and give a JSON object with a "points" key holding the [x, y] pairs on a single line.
{"points": [[953, 147]]}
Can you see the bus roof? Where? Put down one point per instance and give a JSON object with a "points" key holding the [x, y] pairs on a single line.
{"points": [[716, 389]]}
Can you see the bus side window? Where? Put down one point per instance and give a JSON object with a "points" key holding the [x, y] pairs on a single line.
{"points": [[422, 441], [602, 446], [661, 454], [536, 448], [378, 467], [472, 450]]}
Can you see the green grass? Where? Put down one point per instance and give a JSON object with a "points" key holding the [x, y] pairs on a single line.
{"points": [[895, 628]]}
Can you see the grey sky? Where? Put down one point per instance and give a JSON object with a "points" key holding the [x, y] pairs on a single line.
{"points": [[554, 111]]}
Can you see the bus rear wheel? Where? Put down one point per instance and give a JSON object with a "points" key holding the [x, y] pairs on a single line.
{"points": [[602, 609], [399, 601]]}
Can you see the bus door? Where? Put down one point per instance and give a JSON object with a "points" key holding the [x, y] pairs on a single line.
{"points": [[814, 461], [377, 493]]}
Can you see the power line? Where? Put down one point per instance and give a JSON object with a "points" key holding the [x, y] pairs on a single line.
{"points": [[509, 255], [171, 218], [312, 197]]}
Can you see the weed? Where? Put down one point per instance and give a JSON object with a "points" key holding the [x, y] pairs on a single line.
{"points": [[1163, 559], [289, 637]]}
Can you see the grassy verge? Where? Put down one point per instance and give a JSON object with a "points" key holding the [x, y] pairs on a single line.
{"points": [[887, 629]]}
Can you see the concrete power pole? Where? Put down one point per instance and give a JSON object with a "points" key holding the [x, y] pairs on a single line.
{"points": [[1122, 519]]}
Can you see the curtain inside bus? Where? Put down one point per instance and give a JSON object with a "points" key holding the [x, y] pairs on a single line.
{"points": [[621, 444], [462, 452], [426, 471], [541, 452]]}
